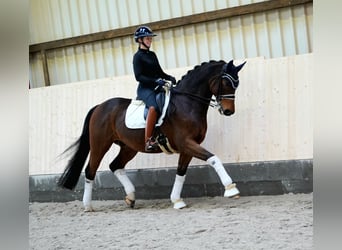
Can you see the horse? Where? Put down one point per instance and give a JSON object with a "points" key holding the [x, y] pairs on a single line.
{"points": [[184, 125]]}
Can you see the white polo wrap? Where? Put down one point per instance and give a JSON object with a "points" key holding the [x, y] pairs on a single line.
{"points": [[125, 181], [216, 163]]}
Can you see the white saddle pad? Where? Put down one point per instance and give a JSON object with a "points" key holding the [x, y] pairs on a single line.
{"points": [[135, 113]]}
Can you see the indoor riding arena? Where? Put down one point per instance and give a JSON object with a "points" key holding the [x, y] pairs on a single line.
{"points": [[81, 55]]}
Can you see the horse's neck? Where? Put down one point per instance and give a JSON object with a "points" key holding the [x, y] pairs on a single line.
{"points": [[197, 82], [195, 87], [186, 106], [191, 100], [198, 87]]}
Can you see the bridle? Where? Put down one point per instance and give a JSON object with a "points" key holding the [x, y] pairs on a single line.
{"points": [[234, 83], [215, 102]]}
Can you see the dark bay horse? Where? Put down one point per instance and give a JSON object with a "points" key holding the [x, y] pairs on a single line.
{"points": [[185, 126]]}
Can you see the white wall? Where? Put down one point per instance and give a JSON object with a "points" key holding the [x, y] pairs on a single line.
{"points": [[273, 119]]}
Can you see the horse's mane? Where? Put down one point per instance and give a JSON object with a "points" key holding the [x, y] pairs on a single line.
{"points": [[197, 67]]}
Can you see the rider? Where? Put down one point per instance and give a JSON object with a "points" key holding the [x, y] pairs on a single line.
{"points": [[150, 76]]}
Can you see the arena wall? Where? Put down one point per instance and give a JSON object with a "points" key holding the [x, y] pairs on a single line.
{"points": [[273, 119]]}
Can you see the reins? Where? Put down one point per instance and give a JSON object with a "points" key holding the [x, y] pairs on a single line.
{"points": [[201, 99]]}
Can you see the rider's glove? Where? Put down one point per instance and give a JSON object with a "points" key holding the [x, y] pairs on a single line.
{"points": [[168, 85], [160, 82]]}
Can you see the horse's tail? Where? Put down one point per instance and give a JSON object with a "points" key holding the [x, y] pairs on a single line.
{"points": [[73, 170]]}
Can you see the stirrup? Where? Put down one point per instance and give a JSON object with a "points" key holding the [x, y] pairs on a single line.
{"points": [[151, 144]]}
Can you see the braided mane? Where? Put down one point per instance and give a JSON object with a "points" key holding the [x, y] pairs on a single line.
{"points": [[197, 67]]}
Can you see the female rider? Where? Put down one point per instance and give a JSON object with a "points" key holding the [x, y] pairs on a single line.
{"points": [[150, 76]]}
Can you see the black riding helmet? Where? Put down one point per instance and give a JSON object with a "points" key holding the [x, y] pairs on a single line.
{"points": [[143, 31]]}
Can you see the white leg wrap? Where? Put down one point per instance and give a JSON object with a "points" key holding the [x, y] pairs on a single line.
{"points": [[87, 195], [216, 163], [230, 188], [176, 192], [126, 183]]}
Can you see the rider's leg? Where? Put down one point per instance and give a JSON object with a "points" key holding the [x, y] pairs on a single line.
{"points": [[151, 120], [149, 97]]}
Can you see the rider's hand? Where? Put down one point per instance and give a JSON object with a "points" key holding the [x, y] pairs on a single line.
{"points": [[160, 82], [168, 85]]}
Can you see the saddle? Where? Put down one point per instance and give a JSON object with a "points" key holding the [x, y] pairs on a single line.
{"points": [[160, 99], [137, 111], [136, 114]]}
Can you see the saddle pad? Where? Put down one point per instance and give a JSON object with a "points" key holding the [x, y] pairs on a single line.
{"points": [[135, 113]]}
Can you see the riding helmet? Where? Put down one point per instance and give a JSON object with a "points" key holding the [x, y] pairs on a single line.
{"points": [[143, 31]]}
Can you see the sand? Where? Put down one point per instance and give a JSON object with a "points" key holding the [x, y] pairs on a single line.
{"points": [[251, 222]]}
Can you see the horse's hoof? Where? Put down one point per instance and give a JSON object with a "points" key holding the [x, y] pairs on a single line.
{"points": [[130, 202], [179, 204], [231, 191], [89, 209]]}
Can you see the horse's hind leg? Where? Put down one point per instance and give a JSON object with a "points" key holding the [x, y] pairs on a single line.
{"points": [[117, 166], [96, 155]]}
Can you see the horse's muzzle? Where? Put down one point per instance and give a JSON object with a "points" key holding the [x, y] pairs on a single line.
{"points": [[227, 107]]}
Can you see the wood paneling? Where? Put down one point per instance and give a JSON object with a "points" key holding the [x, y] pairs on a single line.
{"points": [[273, 119]]}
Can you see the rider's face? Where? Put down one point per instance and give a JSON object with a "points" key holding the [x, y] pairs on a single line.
{"points": [[147, 41]]}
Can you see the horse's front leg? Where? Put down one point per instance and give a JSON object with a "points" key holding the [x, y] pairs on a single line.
{"points": [[230, 187], [175, 197], [201, 153]]}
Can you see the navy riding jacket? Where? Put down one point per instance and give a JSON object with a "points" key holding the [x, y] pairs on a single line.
{"points": [[146, 71]]}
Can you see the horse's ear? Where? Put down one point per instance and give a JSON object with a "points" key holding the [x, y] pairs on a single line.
{"points": [[230, 64], [224, 68], [238, 68], [227, 66]]}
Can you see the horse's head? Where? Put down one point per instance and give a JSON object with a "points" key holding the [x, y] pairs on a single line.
{"points": [[224, 89]]}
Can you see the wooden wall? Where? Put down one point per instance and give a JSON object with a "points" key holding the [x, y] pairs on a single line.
{"points": [[273, 119]]}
